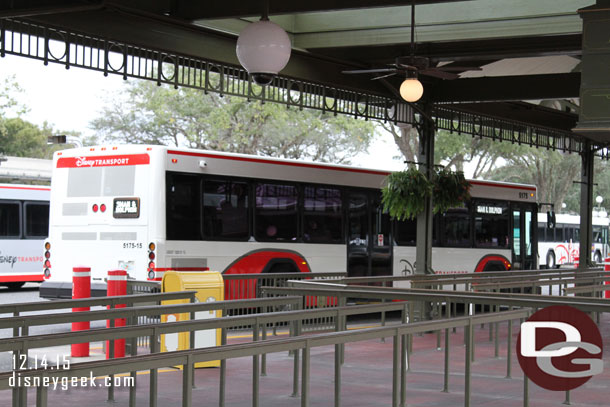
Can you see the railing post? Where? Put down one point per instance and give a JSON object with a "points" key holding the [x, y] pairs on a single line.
{"points": [[446, 378], [468, 358], [255, 367], [41, 396], [187, 382], [342, 301], [295, 355], [337, 375], [395, 370], [223, 370], [154, 348], [509, 348], [305, 377], [264, 355]]}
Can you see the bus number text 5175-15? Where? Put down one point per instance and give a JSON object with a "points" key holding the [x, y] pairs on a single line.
{"points": [[132, 245], [523, 195]]}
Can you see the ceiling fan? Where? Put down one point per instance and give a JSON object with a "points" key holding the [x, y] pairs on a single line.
{"points": [[411, 66]]}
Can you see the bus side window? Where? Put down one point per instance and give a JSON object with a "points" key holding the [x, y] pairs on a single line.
{"points": [[36, 219], [9, 219], [225, 209], [183, 215], [322, 215], [276, 214]]}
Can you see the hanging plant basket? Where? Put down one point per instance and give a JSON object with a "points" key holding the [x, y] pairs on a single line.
{"points": [[405, 192], [451, 190]]}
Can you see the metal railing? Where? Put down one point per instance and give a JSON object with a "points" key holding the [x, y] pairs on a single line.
{"points": [[239, 286], [304, 344], [402, 334]]}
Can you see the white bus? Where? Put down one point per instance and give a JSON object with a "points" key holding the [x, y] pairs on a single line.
{"points": [[149, 208], [24, 224], [560, 245]]}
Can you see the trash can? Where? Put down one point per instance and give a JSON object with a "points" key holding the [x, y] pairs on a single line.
{"points": [[210, 287]]}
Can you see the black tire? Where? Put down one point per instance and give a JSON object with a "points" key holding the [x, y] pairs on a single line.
{"points": [[597, 258], [15, 286], [550, 260]]}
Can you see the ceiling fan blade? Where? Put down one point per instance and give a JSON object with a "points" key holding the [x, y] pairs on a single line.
{"points": [[438, 74], [458, 68], [380, 70], [405, 66], [384, 76]]}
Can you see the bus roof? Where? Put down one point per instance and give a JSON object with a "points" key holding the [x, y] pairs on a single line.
{"points": [[570, 219], [24, 192], [368, 177]]}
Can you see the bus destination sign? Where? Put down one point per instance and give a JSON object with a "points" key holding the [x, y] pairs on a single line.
{"points": [[126, 208], [492, 210]]}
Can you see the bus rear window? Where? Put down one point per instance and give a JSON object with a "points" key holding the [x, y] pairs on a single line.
{"points": [[101, 181]]}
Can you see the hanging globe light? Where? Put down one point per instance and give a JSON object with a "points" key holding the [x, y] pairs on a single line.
{"points": [[411, 90], [263, 49]]}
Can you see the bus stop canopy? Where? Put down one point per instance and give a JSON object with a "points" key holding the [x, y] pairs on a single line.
{"points": [[185, 43], [528, 51]]}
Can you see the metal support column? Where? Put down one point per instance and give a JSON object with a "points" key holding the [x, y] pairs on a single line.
{"points": [[423, 256], [586, 205]]}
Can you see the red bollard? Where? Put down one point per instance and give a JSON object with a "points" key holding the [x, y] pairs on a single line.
{"points": [[117, 285], [81, 288], [576, 261], [607, 268]]}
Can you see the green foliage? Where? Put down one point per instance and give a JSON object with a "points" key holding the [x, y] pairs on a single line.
{"points": [[552, 172], [151, 114], [9, 105], [451, 190], [20, 138], [405, 192]]}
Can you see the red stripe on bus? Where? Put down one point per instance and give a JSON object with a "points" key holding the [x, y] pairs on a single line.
{"points": [[265, 161], [13, 279], [26, 188], [491, 184], [103, 161]]}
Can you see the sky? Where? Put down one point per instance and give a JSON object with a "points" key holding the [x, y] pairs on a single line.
{"points": [[71, 99]]}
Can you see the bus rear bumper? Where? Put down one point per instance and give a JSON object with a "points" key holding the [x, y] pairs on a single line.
{"points": [[63, 290]]}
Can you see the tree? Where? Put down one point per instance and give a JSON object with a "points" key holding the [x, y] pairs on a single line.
{"points": [[507, 162], [154, 114], [8, 103], [18, 137], [451, 149], [553, 173]]}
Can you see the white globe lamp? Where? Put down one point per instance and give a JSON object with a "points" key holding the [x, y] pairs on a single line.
{"points": [[263, 49], [411, 90]]}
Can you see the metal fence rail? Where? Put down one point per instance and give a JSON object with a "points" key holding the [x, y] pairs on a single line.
{"points": [[188, 358], [238, 286]]}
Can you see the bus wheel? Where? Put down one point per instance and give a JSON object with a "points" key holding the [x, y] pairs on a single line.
{"points": [[597, 258], [550, 260], [14, 286]]}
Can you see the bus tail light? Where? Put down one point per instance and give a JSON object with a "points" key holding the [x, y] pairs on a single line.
{"points": [[103, 207], [151, 264], [95, 208], [47, 262]]}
